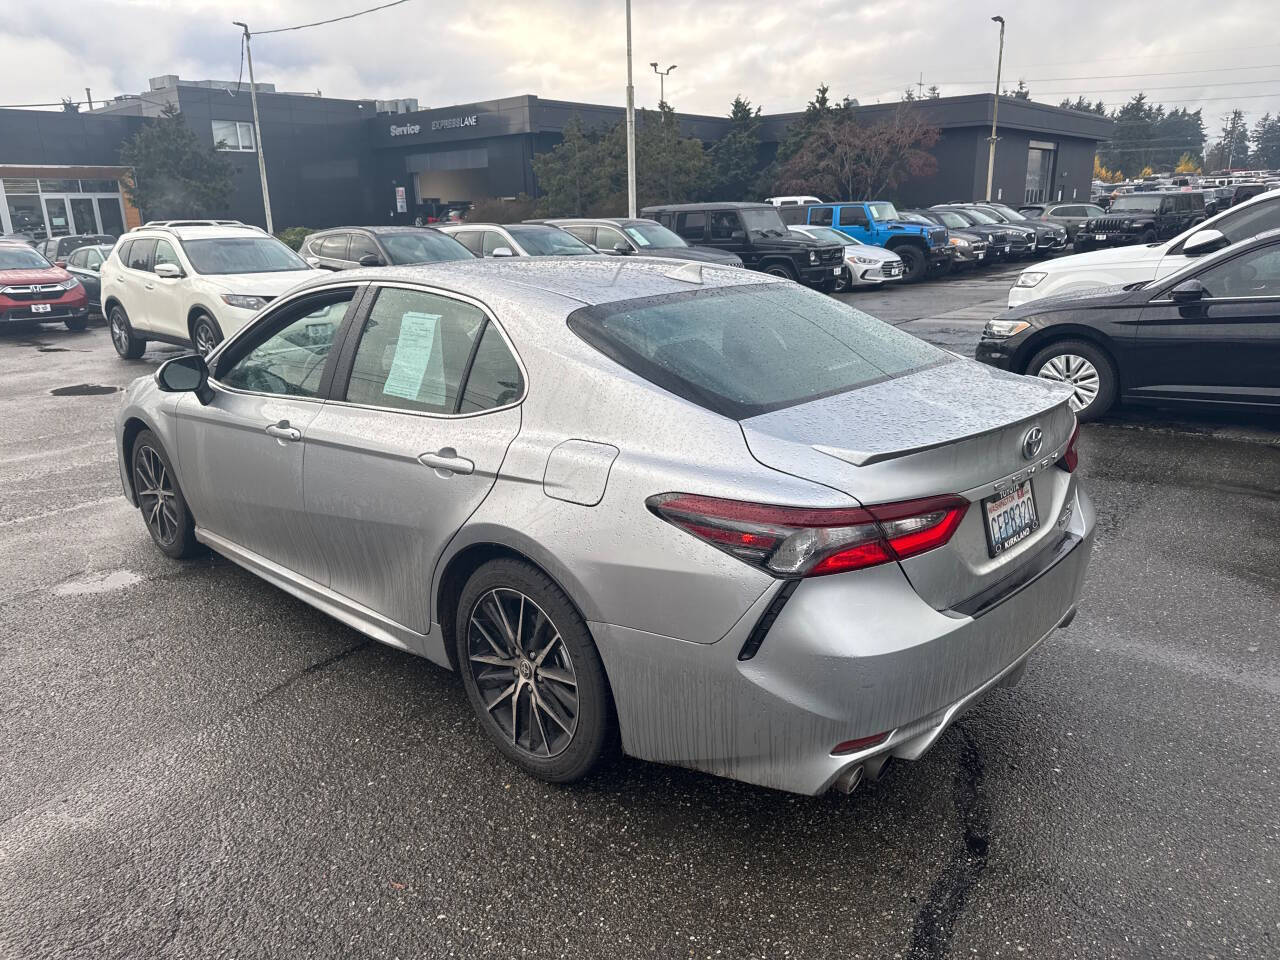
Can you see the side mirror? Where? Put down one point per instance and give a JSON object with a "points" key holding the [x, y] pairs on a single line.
{"points": [[370, 260], [621, 248], [502, 252], [1204, 241], [313, 261], [167, 271], [95, 268], [1189, 291], [186, 374], [60, 263]]}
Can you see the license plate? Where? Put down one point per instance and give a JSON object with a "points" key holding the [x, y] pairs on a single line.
{"points": [[41, 308], [1007, 248], [836, 270], [1099, 236], [981, 255], [1011, 518]]}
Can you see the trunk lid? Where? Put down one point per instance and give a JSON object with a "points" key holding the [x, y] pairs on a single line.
{"points": [[956, 428]]}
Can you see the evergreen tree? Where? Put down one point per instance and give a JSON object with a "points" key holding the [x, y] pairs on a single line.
{"points": [[1231, 152], [735, 158], [1266, 142], [174, 175], [933, 93], [569, 176]]}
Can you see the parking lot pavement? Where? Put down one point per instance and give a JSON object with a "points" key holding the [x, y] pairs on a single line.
{"points": [[196, 764]]}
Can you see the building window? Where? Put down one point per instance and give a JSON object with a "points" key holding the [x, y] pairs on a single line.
{"points": [[232, 135]]}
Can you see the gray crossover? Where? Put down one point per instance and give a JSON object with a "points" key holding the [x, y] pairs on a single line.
{"points": [[710, 517]]}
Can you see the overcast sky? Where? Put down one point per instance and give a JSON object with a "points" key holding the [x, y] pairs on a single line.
{"points": [[774, 52]]}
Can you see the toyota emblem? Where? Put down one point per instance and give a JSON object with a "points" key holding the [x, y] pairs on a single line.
{"points": [[1032, 441]]}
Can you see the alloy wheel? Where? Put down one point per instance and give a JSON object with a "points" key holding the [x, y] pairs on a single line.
{"points": [[1078, 373], [156, 495], [205, 340], [119, 335], [523, 672]]}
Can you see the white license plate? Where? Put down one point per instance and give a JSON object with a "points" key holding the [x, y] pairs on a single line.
{"points": [[1011, 518], [836, 270], [1099, 236], [41, 308], [981, 255], [1007, 248]]}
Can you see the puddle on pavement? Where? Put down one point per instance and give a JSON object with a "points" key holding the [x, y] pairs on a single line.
{"points": [[98, 583], [52, 350], [84, 390]]}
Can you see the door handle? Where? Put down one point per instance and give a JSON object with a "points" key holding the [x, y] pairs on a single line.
{"points": [[282, 431], [149, 286], [447, 462]]}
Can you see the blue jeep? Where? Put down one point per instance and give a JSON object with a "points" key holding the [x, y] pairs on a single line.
{"points": [[923, 249]]}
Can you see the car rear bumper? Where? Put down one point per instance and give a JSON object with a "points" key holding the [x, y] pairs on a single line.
{"points": [[845, 657]]}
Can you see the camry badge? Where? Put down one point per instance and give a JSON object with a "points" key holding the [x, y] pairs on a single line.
{"points": [[1032, 441]]}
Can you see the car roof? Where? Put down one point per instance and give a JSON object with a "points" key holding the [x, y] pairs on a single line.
{"points": [[386, 228], [202, 232], [572, 280], [726, 205], [611, 221]]}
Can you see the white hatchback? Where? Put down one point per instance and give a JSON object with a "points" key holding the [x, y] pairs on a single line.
{"points": [[1120, 266], [192, 282]]}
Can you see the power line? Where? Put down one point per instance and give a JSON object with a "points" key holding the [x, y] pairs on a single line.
{"points": [[321, 23], [1154, 56], [1112, 76]]}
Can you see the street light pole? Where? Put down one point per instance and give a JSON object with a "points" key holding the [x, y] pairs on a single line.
{"points": [[995, 110], [631, 127], [257, 127], [662, 76]]}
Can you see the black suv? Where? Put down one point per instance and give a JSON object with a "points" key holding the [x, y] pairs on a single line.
{"points": [[1142, 218], [345, 248], [756, 233]]}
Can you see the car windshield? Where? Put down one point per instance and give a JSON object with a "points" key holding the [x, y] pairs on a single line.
{"points": [[1137, 202], [978, 216], [425, 246], [653, 236], [953, 220], [827, 235], [763, 222], [1007, 212], [226, 255], [15, 257], [883, 211], [915, 218], [549, 242], [720, 348]]}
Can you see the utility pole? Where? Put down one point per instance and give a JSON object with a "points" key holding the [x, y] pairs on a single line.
{"points": [[88, 96], [920, 87], [631, 127], [662, 76], [991, 141], [257, 126]]}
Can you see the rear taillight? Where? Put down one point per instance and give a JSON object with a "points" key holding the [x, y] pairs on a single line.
{"points": [[810, 542], [1070, 459]]}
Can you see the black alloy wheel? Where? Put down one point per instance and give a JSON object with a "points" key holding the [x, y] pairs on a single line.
{"points": [[164, 509]]}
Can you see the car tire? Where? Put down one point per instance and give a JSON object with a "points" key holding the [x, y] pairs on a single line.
{"points": [[160, 500], [128, 344], [77, 324], [842, 282], [784, 270], [915, 266], [1083, 366], [205, 333], [554, 723]]}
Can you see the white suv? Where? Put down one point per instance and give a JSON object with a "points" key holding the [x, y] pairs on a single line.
{"points": [[192, 282], [1120, 266]]}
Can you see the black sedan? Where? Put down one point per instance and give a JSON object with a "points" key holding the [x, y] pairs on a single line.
{"points": [[1208, 334], [85, 264]]}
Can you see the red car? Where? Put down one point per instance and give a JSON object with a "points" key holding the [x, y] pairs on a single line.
{"points": [[33, 290]]}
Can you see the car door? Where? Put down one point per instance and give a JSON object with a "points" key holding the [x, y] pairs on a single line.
{"points": [[608, 239], [85, 265], [137, 284], [166, 296], [493, 241], [471, 239], [853, 221], [691, 226], [425, 404], [729, 233], [362, 245], [241, 455], [1224, 346]]}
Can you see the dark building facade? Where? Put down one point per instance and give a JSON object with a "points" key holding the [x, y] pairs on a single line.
{"points": [[332, 161]]}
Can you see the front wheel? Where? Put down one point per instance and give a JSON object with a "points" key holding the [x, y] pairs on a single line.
{"points": [[205, 334], [915, 264], [1085, 368], [128, 344], [842, 282], [782, 270], [76, 324], [164, 509], [532, 672]]}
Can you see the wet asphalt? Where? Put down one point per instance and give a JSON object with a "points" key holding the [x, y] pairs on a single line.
{"points": [[194, 764]]}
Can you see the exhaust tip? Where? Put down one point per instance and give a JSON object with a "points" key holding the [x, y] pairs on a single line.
{"points": [[848, 781]]}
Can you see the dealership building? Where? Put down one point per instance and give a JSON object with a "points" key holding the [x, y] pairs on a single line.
{"points": [[333, 161]]}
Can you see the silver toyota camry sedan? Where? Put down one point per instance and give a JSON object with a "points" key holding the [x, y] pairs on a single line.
{"points": [[710, 517]]}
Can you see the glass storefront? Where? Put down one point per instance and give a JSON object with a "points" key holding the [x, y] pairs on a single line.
{"points": [[56, 207]]}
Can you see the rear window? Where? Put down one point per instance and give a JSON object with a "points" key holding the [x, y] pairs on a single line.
{"points": [[745, 351]]}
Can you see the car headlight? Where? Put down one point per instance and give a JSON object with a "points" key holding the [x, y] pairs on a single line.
{"points": [[244, 302], [70, 283], [813, 256], [869, 261], [1001, 329], [1029, 278], [959, 242]]}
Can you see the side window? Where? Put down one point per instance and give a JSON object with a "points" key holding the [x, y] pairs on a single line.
{"points": [[77, 258], [821, 216], [1092, 211], [692, 225], [333, 247], [122, 252], [164, 254], [1254, 274], [140, 254], [583, 232], [413, 351], [853, 217], [362, 246], [471, 239], [287, 352], [725, 225], [607, 238], [93, 260], [494, 380], [492, 241]]}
